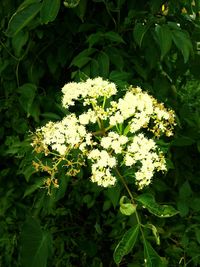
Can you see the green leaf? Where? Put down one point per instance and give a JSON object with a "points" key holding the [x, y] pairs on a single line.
{"points": [[126, 208], [94, 68], [151, 257], [50, 116], [94, 38], [162, 211], [185, 190], [34, 187], [49, 10], [18, 41], [21, 18], [104, 64], [27, 95], [183, 43], [164, 38], [80, 62], [114, 37], [139, 32], [126, 244], [35, 244], [81, 9], [71, 3], [183, 141], [154, 231], [113, 193]]}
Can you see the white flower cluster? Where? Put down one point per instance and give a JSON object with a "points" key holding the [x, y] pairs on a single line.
{"points": [[118, 134], [64, 135], [114, 142], [88, 91], [144, 151], [102, 164]]}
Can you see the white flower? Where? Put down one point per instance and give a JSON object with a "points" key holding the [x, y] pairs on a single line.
{"points": [[114, 141], [102, 163]]}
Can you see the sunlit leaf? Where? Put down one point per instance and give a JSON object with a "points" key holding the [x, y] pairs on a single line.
{"points": [[151, 257], [163, 211], [126, 208], [126, 244]]}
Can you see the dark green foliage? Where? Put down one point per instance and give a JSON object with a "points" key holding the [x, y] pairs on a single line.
{"points": [[43, 45]]}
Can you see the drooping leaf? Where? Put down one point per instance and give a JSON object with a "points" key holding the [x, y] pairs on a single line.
{"points": [[162, 211], [126, 244], [126, 207], [183, 43], [36, 244], [49, 10], [154, 231], [139, 32], [164, 38], [151, 257], [21, 18]]}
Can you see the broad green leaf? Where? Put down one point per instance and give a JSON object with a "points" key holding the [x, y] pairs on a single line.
{"points": [[139, 32], [164, 38], [114, 37], [49, 10], [183, 43], [27, 3], [80, 62], [27, 94], [126, 208], [35, 244], [94, 38], [126, 244], [116, 57], [104, 64], [18, 41], [162, 211], [151, 257], [21, 18]]}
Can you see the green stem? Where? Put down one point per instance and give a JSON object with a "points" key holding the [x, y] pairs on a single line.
{"points": [[132, 200]]}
